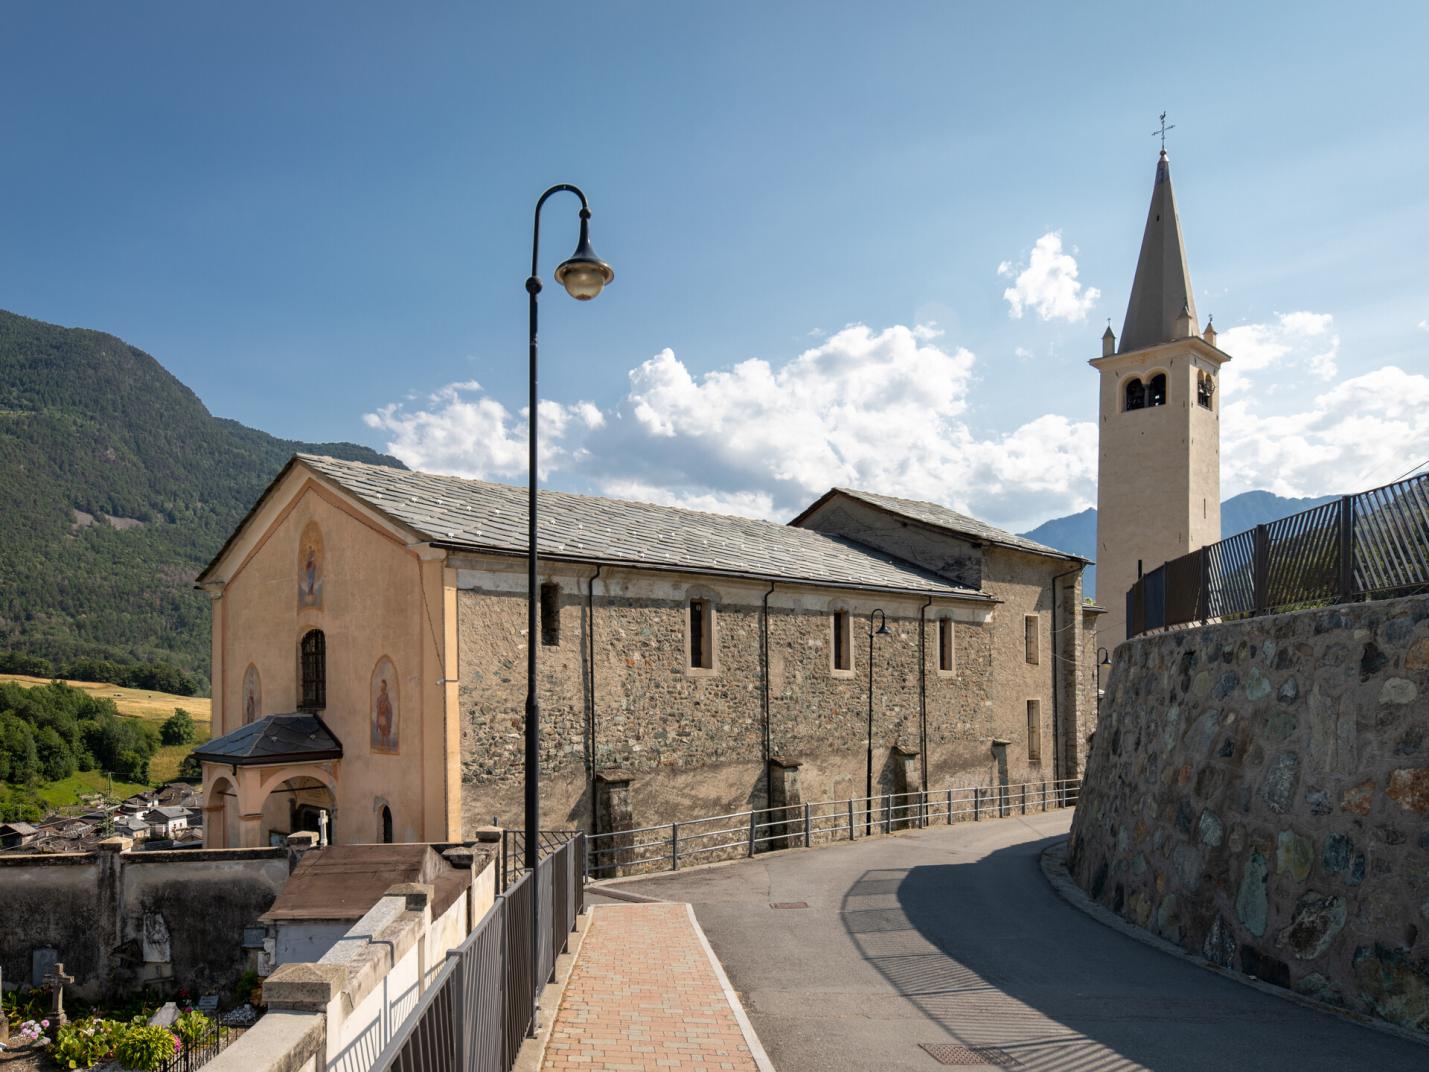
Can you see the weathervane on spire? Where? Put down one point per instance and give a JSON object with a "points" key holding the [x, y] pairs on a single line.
{"points": [[1163, 130]]}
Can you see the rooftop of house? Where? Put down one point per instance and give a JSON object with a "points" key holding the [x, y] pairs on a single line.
{"points": [[475, 515], [941, 517]]}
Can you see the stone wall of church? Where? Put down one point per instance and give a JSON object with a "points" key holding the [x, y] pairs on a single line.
{"points": [[692, 741], [1258, 793]]}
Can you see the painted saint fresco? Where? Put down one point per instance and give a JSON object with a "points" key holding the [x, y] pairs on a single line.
{"points": [[252, 695], [384, 707], [310, 567]]}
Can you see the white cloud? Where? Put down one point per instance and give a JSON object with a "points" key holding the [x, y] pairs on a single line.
{"points": [[477, 436], [1301, 341], [883, 410], [1048, 284], [1363, 432]]}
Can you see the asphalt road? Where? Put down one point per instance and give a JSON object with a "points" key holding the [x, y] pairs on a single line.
{"points": [[954, 936]]}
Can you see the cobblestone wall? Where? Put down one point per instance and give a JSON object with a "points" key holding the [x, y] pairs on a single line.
{"points": [[693, 741], [1258, 792]]}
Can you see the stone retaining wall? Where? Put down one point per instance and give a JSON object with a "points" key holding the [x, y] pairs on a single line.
{"points": [[1258, 792]]}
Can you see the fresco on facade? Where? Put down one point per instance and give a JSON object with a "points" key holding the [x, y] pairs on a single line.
{"points": [[384, 707], [310, 567], [252, 695]]}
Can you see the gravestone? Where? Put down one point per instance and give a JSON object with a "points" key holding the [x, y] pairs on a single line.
{"points": [[57, 978], [42, 962], [165, 1017], [208, 1004]]}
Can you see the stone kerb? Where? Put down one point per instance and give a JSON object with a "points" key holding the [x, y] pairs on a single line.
{"points": [[1258, 793]]}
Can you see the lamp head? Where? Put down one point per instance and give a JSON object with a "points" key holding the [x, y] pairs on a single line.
{"points": [[883, 630], [583, 273]]}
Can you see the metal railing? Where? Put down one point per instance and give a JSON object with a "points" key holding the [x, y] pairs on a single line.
{"points": [[667, 846], [513, 850], [206, 1047], [1367, 546], [482, 1002]]}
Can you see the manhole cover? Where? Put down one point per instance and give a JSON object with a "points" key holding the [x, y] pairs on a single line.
{"points": [[950, 1053], [788, 904]]}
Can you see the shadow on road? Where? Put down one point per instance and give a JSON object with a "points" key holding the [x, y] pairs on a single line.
{"points": [[991, 954]]}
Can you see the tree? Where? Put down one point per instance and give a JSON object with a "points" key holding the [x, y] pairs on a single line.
{"points": [[179, 728]]}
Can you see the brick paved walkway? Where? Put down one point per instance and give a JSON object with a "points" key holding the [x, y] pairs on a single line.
{"points": [[644, 995]]}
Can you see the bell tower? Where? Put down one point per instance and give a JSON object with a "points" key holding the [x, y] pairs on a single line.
{"points": [[1159, 462]]}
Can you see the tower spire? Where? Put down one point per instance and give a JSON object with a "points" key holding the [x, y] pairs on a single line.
{"points": [[1161, 291]]}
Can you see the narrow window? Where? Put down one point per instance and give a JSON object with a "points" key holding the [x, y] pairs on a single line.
{"points": [[1034, 732], [386, 825], [313, 665], [551, 615], [1030, 631], [1204, 389], [945, 644], [701, 635], [841, 639], [1156, 390], [1135, 394]]}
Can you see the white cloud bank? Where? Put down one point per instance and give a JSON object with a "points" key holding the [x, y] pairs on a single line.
{"points": [[881, 410], [1048, 283], [887, 411]]}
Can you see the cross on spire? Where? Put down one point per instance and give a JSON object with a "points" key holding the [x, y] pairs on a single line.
{"points": [[1163, 130]]}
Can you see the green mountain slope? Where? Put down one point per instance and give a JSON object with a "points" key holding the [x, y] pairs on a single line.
{"points": [[116, 486]]}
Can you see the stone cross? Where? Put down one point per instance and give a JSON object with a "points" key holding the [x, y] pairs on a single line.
{"points": [[57, 978]]}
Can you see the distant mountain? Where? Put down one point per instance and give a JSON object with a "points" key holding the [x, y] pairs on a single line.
{"points": [[116, 487], [1077, 533]]}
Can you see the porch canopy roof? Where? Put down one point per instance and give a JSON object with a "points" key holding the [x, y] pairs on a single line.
{"points": [[272, 739]]}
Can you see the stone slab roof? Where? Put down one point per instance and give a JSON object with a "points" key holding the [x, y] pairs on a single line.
{"points": [[273, 739], [940, 517], [341, 882], [475, 515]]}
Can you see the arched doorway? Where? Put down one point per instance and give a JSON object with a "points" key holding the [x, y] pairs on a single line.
{"points": [[386, 825], [298, 803]]}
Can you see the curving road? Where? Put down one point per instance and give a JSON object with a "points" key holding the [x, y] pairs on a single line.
{"points": [[953, 937]]}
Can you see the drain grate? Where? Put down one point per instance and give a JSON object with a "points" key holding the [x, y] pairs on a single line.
{"points": [[949, 1053], [788, 904]]}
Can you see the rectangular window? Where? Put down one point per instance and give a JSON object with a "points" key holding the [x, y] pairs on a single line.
{"points": [[841, 639], [1031, 625], [551, 615], [701, 635], [1034, 733], [945, 644]]}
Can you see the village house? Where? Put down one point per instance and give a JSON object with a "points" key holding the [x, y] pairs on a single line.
{"points": [[369, 636]]}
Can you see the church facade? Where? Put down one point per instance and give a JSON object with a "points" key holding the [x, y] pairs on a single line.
{"points": [[369, 637]]}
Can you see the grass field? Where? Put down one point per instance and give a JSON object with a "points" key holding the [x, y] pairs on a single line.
{"points": [[135, 703], [140, 703]]}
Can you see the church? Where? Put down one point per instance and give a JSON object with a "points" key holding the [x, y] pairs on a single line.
{"points": [[369, 630]]}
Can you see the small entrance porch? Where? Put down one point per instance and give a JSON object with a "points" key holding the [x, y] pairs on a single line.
{"points": [[268, 779]]}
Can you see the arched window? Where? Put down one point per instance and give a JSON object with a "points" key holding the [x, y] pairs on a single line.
{"points": [[1135, 394], [1156, 390], [1205, 389], [386, 825], [313, 667]]}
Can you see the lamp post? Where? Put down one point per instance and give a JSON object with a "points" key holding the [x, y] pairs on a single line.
{"points": [[882, 630], [583, 274]]}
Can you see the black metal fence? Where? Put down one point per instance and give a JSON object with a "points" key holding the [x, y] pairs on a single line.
{"points": [[482, 1002], [206, 1047], [669, 846], [1367, 546], [513, 850]]}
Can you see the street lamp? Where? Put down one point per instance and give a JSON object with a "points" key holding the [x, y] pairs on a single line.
{"points": [[583, 275], [882, 630]]}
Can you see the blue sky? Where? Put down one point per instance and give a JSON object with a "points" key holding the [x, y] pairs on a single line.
{"points": [[318, 217]]}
